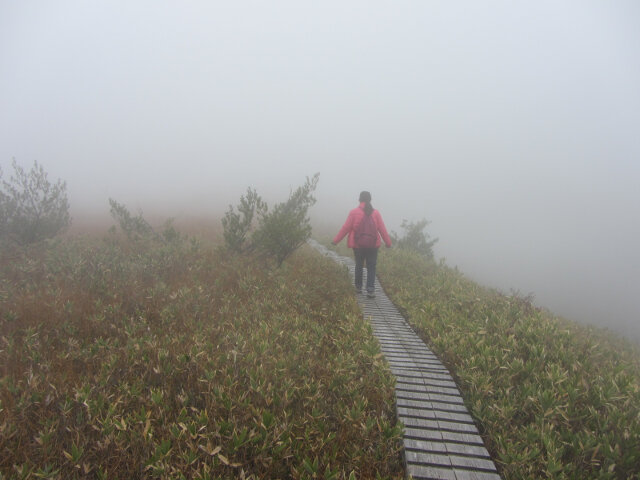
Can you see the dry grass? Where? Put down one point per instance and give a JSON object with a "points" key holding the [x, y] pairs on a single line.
{"points": [[157, 360]]}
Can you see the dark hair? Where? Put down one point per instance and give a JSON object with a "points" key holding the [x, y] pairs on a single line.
{"points": [[366, 198]]}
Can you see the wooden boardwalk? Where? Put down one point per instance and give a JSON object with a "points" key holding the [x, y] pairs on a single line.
{"points": [[441, 440]]}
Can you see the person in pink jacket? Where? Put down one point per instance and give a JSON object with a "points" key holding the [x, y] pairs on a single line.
{"points": [[364, 251]]}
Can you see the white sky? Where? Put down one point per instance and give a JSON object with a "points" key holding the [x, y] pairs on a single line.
{"points": [[513, 126]]}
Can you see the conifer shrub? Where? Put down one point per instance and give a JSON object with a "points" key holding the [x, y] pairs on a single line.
{"points": [[134, 227], [279, 232], [138, 230], [238, 225], [285, 228], [32, 208], [415, 238]]}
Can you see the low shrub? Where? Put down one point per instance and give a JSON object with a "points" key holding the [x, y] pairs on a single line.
{"points": [[553, 399], [32, 209], [123, 359], [280, 231]]}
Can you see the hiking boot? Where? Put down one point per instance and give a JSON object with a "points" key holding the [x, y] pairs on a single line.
{"points": [[371, 294], [358, 289]]}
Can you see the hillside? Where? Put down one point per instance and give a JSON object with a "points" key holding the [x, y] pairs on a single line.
{"points": [[554, 399], [174, 359]]}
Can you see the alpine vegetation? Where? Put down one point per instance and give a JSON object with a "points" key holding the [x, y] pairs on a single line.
{"points": [[553, 399], [279, 231], [135, 228], [415, 238], [238, 225], [31, 207], [127, 358]]}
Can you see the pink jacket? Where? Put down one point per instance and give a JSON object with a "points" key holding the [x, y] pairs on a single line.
{"points": [[353, 220]]}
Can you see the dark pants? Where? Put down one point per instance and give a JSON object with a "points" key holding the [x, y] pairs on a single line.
{"points": [[370, 256]]}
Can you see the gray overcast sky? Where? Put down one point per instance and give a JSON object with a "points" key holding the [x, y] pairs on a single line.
{"points": [[513, 126]]}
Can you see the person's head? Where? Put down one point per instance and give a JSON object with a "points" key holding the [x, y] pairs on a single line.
{"points": [[366, 198]]}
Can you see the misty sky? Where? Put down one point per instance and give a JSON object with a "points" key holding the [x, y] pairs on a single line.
{"points": [[513, 126]]}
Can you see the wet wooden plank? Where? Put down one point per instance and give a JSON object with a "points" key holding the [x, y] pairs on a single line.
{"points": [[429, 396], [445, 388], [436, 414], [443, 436], [438, 424], [422, 472], [446, 447], [471, 475], [448, 460]]}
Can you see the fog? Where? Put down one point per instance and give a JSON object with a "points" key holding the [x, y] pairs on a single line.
{"points": [[514, 127]]}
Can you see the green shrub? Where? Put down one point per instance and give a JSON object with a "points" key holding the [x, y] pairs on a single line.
{"points": [[415, 238], [31, 208], [237, 226], [280, 231], [287, 226], [135, 228]]}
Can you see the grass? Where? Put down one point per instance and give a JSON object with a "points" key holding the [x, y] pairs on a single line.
{"points": [[176, 360], [553, 399]]}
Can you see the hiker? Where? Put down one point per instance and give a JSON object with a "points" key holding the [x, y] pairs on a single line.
{"points": [[365, 227]]}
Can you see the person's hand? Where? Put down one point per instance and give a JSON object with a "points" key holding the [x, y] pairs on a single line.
{"points": [[334, 243]]}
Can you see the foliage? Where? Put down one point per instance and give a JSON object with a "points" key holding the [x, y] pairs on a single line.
{"points": [[285, 228], [552, 398], [415, 238], [237, 226], [32, 208], [170, 234], [138, 230], [135, 228], [280, 231], [5, 209], [175, 360]]}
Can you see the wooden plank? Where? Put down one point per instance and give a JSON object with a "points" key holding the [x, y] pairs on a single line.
{"points": [[453, 416], [412, 355], [415, 364], [421, 472], [435, 386], [431, 405], [428, 376], [445, 407], [427, 458], [446, 447], [415, 351], [447, 460], [445, 388], [429, 396], [459, 427], [470, 475], [435, 414], [404, 339], [399, 369], [443, 436], [393, 348], [397, 340]]}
